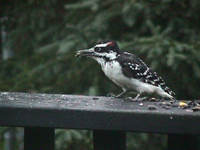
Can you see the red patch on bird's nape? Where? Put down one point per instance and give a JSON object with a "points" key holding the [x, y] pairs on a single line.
{"points": [[110, 44]]}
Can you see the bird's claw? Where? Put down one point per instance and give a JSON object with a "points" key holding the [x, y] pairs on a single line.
{"points": [[136, 99]]}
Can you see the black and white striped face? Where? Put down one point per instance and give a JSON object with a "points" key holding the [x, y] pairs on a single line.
{"points": [[107, 50]]}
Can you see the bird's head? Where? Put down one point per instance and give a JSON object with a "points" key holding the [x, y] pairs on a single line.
{"points": [[102, 51]]}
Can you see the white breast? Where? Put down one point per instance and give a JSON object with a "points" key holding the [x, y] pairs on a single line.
{"points": [[113, 71]]}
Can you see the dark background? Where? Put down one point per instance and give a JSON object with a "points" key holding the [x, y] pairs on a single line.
{"points": [[39, 39]]}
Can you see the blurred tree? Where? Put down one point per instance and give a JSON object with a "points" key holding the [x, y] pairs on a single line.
{"points": [[44, 36]]}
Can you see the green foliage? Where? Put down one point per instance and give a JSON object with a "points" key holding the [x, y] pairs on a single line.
{"points": [[45, 35], [71, 139], [146, 141]]}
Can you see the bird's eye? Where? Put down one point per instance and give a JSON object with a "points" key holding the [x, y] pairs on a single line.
{"points": [[97, 49]]}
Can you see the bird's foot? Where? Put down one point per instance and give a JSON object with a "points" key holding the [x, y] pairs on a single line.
{"points": [[131, 99], [118, 96], [121, 94], [137, 99]]}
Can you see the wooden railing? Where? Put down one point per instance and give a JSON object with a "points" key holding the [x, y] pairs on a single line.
{"points": [[108, 118]]}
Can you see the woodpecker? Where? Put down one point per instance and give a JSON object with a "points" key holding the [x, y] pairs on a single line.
{"points": [[127, 70]]}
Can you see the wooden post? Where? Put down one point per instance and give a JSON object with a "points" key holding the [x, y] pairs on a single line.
{"points": [[0, 39], [182, 142], [109, 140], [38, 138]]}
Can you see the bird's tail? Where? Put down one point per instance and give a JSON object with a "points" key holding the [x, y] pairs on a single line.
{"points": [[170, 92]]}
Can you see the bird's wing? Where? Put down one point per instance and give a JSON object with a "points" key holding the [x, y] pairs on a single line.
{"points": [[134, 67]]}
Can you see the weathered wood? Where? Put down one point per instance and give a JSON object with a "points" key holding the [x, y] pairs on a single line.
{"points": [[38, 138], [182, 142], [95, 113], [109, 140]]}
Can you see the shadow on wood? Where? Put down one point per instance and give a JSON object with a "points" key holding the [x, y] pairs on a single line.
{"points": [[182, 142], [109, 140], [37, 138]]}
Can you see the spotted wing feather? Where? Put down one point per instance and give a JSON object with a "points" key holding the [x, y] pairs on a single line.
{"points": [[134, 67]]}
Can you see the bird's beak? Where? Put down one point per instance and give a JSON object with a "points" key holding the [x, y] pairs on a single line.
{"points": [[86, 52]]}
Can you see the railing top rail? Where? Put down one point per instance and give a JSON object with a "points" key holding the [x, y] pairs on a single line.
{"points": [[89, 112]]}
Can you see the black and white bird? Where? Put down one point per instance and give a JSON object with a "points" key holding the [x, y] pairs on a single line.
{"points": [[127, 70]]}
